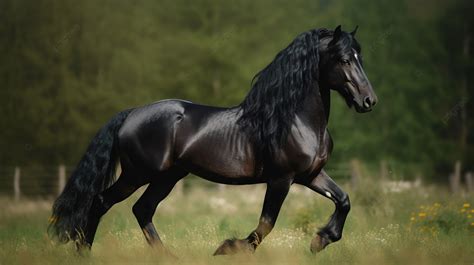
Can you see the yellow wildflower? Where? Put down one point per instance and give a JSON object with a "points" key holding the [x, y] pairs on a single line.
{"points": [[422, 214], [466, 205], [412, 218]]}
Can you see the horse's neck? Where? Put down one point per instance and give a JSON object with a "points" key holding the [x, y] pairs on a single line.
{"points": [[315, 109], [326, 101]]}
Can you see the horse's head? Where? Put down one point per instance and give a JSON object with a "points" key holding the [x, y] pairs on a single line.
{"points": [[342, 66]]}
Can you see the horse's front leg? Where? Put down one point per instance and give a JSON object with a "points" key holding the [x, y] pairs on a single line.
{"points": [[325, 186], [274, 197]]}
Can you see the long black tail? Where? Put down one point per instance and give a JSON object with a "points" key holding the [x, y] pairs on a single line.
{"points": [[94, 173]]}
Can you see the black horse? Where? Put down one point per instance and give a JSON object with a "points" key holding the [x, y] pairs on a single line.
{"points": [[278, 135]]}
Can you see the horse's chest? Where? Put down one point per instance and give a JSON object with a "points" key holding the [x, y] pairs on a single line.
{"points": [[322, 152], [311, 154]]}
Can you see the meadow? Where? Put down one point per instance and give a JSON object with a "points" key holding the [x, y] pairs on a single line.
{"points": [[422, 225]]}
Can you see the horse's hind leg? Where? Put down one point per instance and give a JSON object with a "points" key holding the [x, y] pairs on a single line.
{"points": [[274, 197], [126, 184], [145, 207]]}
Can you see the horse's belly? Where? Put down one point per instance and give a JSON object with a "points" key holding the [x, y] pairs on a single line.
{"points": [[217, 165], [221, 161], [225, 177]]}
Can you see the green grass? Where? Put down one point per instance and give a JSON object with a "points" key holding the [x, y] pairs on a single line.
{"points": [[382, 228]]}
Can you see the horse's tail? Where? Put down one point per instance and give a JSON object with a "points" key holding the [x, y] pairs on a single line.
{"points": [[94, 173]]}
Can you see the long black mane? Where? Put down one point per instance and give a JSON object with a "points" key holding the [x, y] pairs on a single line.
{"points": [[269, 109]]}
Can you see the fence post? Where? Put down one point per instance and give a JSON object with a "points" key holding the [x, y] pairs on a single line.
{"points": [[469, 182], [61, 178], [383, 170], [16, 183], [355, 172], [455, 178]]}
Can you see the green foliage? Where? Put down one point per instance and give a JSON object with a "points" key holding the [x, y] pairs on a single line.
{"points": [[448, 221], [305, 220], [67, 67], [192, 229], [439, 218]]}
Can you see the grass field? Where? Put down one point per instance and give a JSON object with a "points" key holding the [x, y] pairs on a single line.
{"points": [[417, 226]]}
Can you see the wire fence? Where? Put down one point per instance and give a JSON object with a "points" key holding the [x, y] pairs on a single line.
{"points": [[48, 181], [44, 181]]}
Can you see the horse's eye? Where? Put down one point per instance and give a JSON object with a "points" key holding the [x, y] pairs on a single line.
{"points": [[346, 62]]}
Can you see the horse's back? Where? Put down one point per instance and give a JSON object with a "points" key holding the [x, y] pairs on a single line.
{"points": [[210, 143], [204, 140]]}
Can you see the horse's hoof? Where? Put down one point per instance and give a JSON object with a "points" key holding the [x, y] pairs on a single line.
{"points": [[234, 246], [318, 243]]}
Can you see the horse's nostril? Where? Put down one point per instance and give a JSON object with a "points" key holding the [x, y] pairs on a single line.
{"points": [[367, 102]]}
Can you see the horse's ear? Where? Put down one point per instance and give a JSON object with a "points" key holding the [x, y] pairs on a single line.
{"points": [[353, 33], [336, 36]]}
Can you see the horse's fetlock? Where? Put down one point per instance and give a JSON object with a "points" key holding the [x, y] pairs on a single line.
{"points": [[345, 203]]}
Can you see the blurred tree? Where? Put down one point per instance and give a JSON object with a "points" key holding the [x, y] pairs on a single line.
{"points": [[67, 67]]}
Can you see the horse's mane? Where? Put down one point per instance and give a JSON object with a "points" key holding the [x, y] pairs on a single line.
{"points": [[269, 109]]}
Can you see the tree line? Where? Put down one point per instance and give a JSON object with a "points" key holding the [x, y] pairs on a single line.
{"points": [[68, 66]]}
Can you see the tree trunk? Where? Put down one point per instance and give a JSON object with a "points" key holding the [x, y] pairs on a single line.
{"points": [[469, 182], [355, 172], [464, 126], [455, 178]]}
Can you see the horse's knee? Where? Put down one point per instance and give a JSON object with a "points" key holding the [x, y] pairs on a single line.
{"points": [[137, 210]]}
